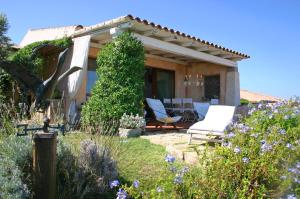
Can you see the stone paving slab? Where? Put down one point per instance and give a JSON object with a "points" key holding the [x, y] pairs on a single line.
{"points": [[176, 144]]}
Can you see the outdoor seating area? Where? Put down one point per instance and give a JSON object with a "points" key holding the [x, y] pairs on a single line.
{"points": [[174, 111]]}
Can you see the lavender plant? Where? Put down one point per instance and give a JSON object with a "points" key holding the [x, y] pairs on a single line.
{"points": [[86, 175], [15, 167]]}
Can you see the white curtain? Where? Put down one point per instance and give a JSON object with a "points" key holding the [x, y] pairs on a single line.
{"points": [[79, 58]]}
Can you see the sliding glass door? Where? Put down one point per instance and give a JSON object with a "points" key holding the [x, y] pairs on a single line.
{"points": [[159, 83], [212, 87]]}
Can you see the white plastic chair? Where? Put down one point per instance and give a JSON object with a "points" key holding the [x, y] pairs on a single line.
{"points": [[177, 104], [187, 104], [217, 119], [168, 104], [201, 109], [214, 101]]}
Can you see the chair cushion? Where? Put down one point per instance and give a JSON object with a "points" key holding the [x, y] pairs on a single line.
{"points": [[157, 108], [169, 120], [201, 109]]}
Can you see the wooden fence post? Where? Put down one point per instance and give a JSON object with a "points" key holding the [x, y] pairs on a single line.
{"points": [[44, 165]]}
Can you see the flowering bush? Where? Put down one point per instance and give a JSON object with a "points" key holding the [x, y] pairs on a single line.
{"points": [[259, 157], [171, 185], [132, 121]]}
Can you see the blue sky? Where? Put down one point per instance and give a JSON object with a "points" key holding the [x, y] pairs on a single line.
{"points": [[267, 30]]}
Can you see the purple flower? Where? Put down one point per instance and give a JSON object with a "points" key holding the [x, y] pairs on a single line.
{"points": [[291, 196], [243, 128], [282, 131], [288, 145], [173, 169], [245, 160], [266, 147], [114, 183], [298, 165], [260, 106], [297, 180], [136, 184], [251, 111], [230, 135], [159, 189], [185, 170], [178, 180], [169, 158], [122, 194], [237, 150], [226, 144], [294, 170]]}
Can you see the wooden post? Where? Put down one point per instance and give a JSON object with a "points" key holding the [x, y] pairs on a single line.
{"points": [[44, 165]]}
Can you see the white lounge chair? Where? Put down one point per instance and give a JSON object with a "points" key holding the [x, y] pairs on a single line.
{"points": [[214, 124], [160, 112], [201, 109], [214, 101]]}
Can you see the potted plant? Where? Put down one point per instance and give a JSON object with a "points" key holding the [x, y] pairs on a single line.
{"points": [[131, 125]]}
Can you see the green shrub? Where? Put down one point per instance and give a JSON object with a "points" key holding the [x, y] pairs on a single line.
{"points": [[244, 102], [120, 87], [5, 80], [6, 86], [10, 115], [4, 40]]}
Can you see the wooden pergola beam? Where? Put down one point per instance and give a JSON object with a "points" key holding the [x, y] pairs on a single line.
{"points": [[183, 51]]}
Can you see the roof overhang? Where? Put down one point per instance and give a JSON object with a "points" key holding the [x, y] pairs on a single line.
{"points": [[163, 42]]}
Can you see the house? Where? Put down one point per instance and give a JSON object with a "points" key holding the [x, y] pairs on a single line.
{"points": [[177, 64], [257, 97]]}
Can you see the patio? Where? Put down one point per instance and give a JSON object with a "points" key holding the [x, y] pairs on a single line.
{"points": [[176, 144]]}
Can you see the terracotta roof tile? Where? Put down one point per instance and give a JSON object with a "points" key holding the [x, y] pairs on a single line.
{"points": [[146, 22]]}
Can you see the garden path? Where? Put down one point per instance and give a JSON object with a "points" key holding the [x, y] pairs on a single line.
{"points": [[176, 144]]}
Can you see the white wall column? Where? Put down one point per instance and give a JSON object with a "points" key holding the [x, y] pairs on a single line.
{"points": [[232, 96]]}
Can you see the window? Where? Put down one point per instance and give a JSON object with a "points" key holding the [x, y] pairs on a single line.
{"points": [[212, 87], [91, 75], [159, 83], [91, 80]]}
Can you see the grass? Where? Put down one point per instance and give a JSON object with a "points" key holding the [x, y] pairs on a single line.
{"points": [[137, 158]]}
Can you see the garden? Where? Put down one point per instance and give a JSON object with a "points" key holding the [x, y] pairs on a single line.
{"points": [[258, 158]]}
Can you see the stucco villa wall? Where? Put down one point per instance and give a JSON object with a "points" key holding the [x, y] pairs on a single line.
{"points": [[197, 93], [177, 68]]}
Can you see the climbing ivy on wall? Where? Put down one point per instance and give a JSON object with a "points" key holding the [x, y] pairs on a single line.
{"points": [[25, 58], [35, 63]]}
